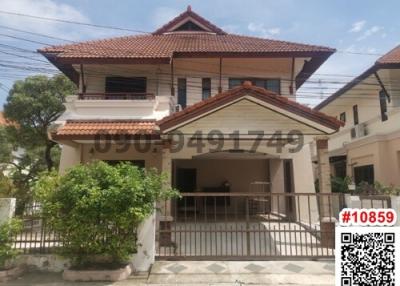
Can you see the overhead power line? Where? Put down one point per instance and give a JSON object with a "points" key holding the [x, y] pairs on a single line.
{"points": [[72, 22]]}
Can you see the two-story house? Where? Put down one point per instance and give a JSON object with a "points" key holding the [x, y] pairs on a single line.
{"points": [[367, 148], [215, 111]]}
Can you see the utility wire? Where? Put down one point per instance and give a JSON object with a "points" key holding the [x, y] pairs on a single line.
{"points": [[72, 22]]}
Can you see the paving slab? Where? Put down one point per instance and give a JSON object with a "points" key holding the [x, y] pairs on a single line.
{"points": [[201, 273]]}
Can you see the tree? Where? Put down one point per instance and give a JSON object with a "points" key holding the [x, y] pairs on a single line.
{"points": [[33, 105], [96, 207]]}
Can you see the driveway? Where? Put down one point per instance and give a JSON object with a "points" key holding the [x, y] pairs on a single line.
{"points": [[211, 273]]}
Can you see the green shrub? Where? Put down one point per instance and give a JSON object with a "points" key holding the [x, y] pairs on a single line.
{"points": [[377, 189], [97, 207], [8, 231], [338, 184]]}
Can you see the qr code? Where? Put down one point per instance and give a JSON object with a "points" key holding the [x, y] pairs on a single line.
{"points": [[367, 256]]}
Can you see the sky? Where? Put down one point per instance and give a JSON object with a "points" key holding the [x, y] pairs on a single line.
{"points": [[361, 31]]}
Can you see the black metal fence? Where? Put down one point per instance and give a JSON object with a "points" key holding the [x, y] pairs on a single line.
{"points": [[36, 236]]}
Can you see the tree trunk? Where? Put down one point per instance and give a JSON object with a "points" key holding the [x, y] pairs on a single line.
{"points": [[47, 155]]}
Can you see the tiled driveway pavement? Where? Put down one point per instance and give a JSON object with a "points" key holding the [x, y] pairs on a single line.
{"points": [[193, 273], [244, 272]]}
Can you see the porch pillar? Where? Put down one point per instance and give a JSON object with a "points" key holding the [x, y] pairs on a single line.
{"points": [[325, 202], [324, 174], [165, 217]]}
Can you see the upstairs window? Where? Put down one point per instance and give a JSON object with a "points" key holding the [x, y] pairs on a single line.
{"points": [[383, 105], [182, 92], [342, 116], [189, 26], [270, 84], [206, 88], [126, 84], [355, 114]]}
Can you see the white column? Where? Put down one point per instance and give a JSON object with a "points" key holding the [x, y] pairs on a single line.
{"points": [[165, 217], [324, 174], [70, 156], [7, 209], [146, 249]]}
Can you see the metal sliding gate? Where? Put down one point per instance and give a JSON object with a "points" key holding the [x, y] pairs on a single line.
{"points": [[252, 226], [248, 226]]}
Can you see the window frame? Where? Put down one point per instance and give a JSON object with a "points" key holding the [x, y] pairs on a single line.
{"points": [[355, 115], [108, 81], [363, 170], [383, 105], [342, 116], [179, 90], [204, 88]]}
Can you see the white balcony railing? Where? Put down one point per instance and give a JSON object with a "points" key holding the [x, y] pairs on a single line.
{"points": [[116, 96]]}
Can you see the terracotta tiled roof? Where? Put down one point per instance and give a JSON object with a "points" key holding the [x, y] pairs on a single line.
{"points": [[165, 42], [3, 120], [392, 57], [88, 129], [259, 93], [166, 45]]}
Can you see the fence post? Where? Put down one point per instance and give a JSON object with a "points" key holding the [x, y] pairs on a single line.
{"points": [[327, 220], [146, 237], [247, 226], [7, 209]]}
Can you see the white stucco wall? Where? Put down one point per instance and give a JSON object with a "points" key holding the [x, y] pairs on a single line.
{"points": [[7, 209]]}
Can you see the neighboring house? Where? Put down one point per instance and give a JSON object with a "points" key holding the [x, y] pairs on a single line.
{"points": [[3, 121], [367, 148], [18, 152], [146, 88]]}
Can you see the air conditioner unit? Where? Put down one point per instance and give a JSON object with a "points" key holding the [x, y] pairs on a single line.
{"points": [[358, 131], [178, 108]]}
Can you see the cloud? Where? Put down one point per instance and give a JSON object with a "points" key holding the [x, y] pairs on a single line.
{"points": [[232, 29], [357, 26], [274, 31], [371, 31], [262, 31], [163, 15], [41, 8]]}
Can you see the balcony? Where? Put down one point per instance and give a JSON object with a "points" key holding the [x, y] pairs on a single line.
{"points": [[116, 96], [116, 106]]}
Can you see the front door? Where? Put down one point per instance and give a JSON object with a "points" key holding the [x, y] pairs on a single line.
{"points": [[186, 181]]}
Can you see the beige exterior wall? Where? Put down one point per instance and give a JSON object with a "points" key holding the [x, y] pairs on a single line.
{"points": [[380, 146], [383, 153], [70, 156], [245, 116]]}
